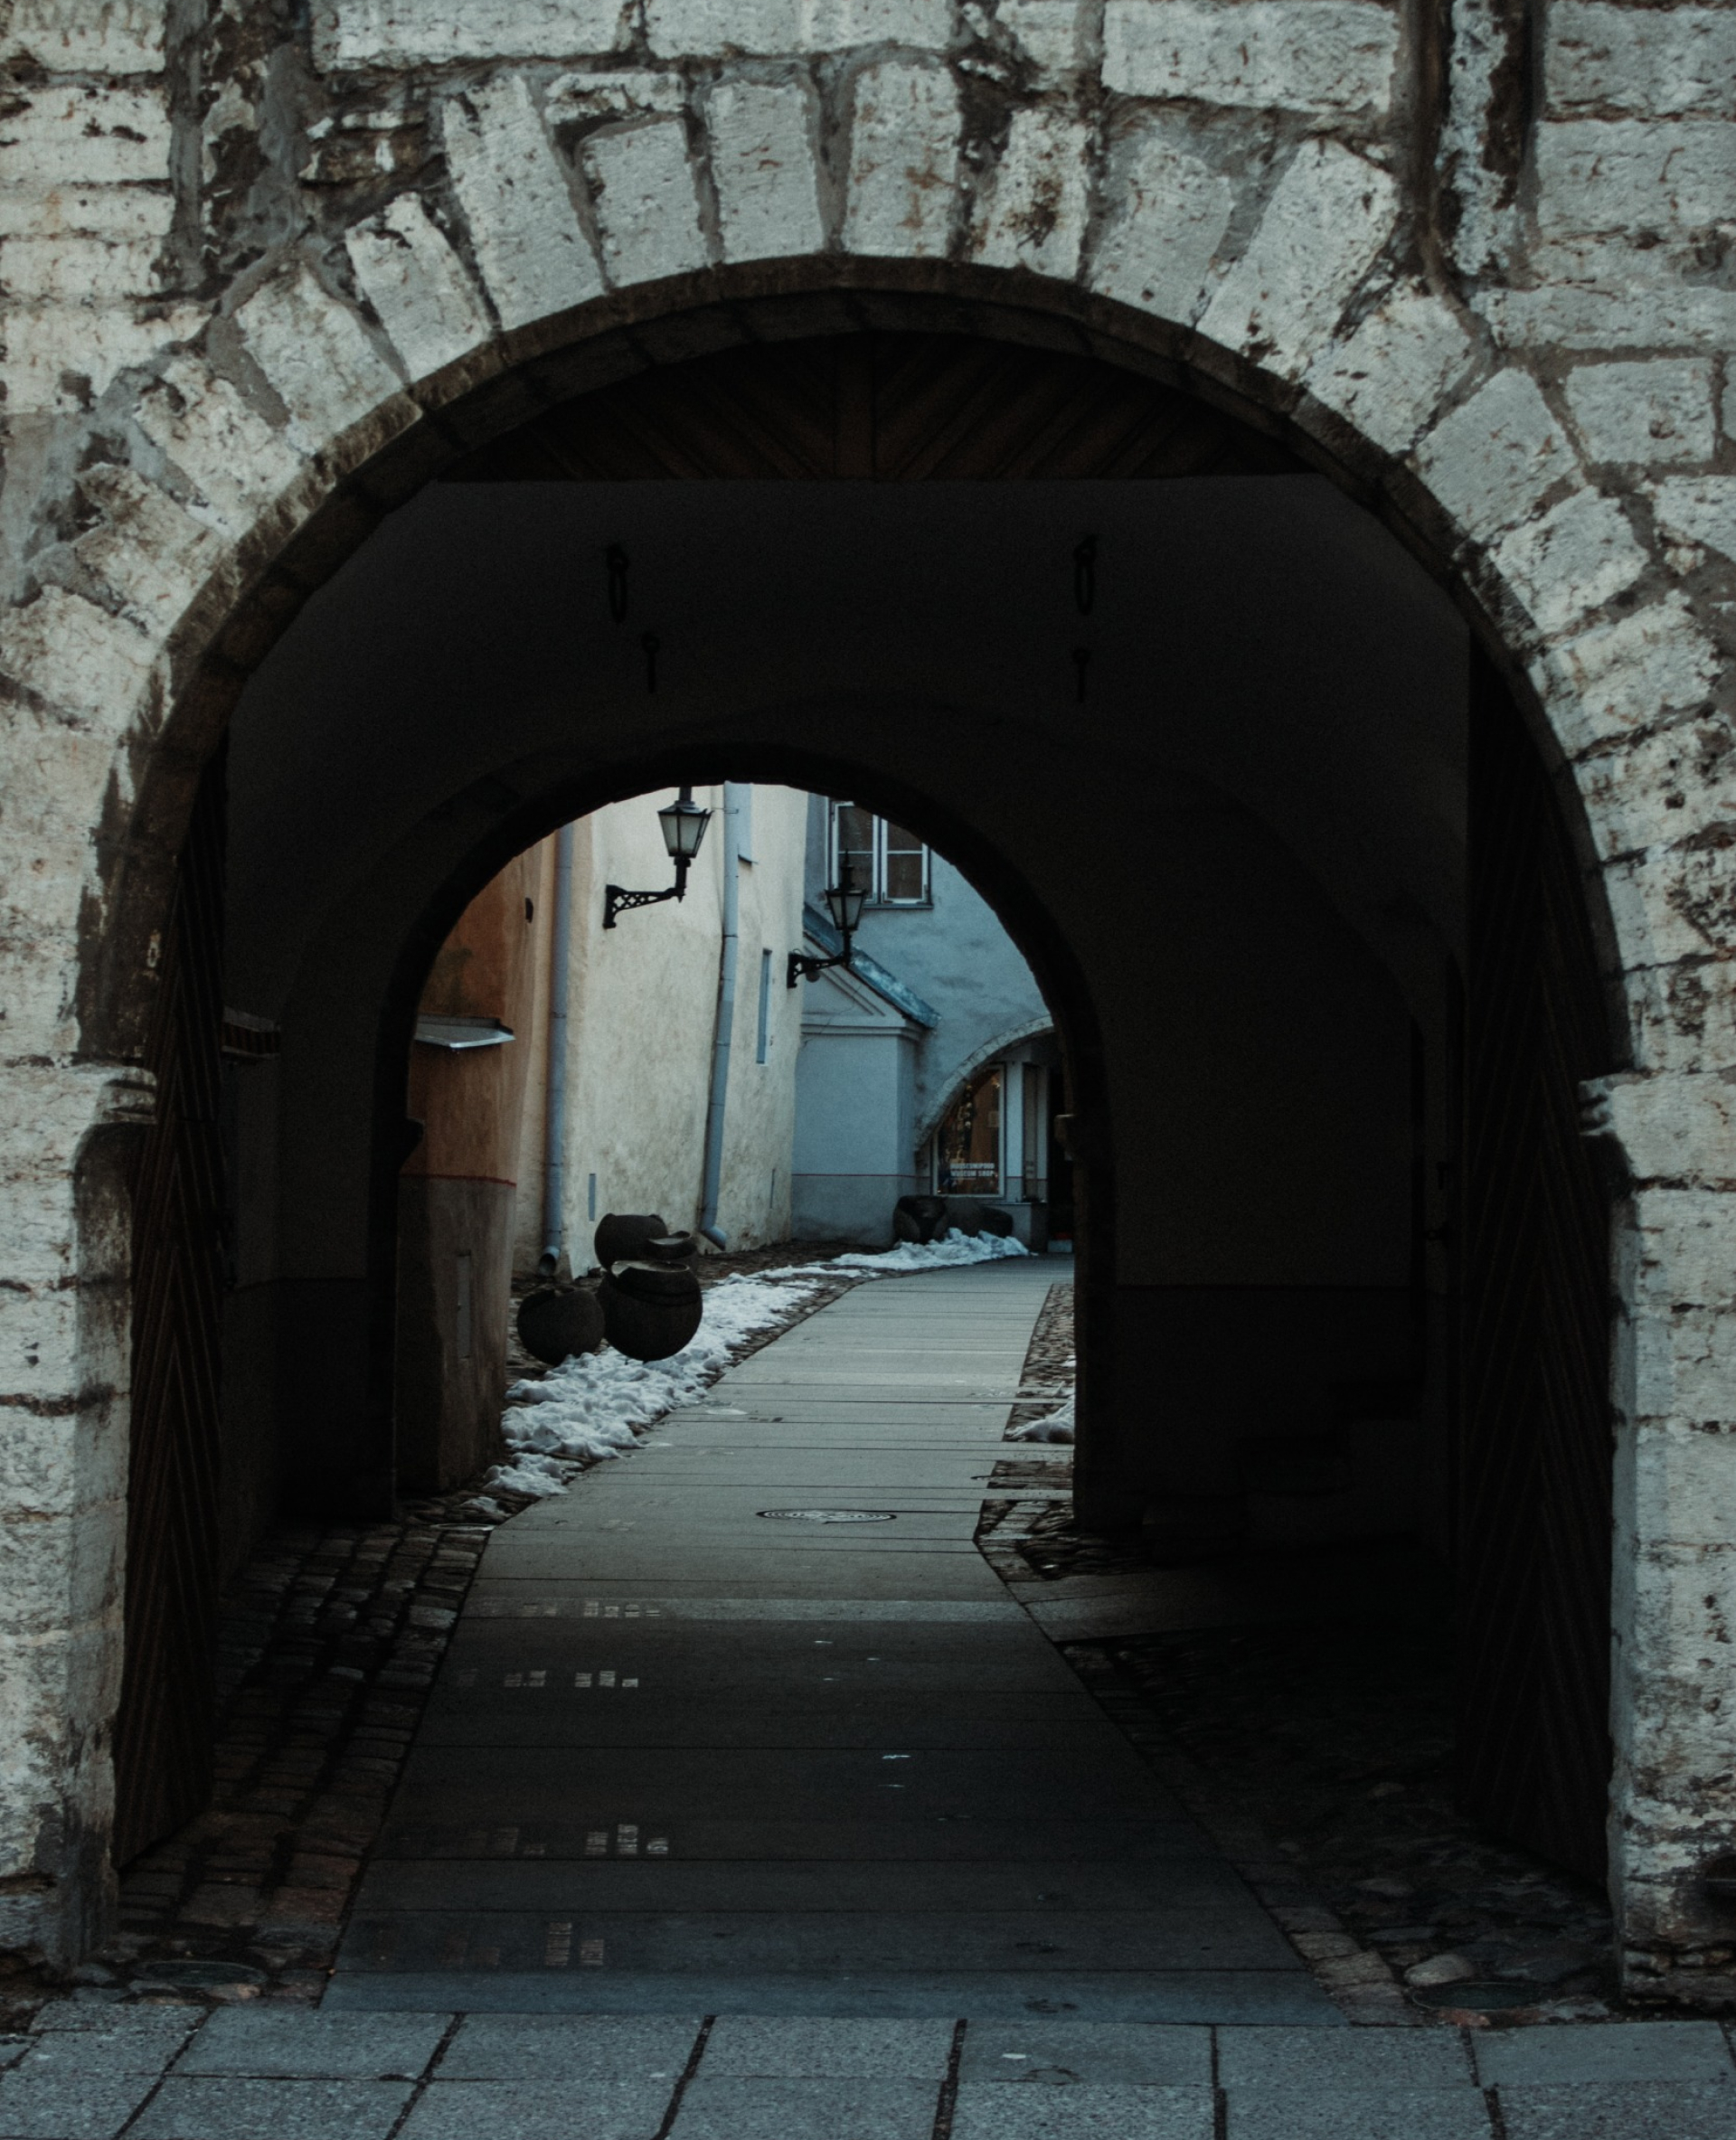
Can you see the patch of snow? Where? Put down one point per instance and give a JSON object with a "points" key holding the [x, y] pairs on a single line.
{"points": [[1056, 1426], [911, 1255], [585, 1411]]}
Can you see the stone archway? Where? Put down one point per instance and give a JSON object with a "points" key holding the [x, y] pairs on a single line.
{"points": [[1054, 392], [206, 476]]}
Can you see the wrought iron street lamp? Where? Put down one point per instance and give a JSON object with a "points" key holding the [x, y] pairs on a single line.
{"points": [[843, 903], [682, 824]]}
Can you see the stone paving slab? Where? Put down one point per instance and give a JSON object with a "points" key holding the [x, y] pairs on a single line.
{"points": [[1696, 2051], [592, 2046], [757, 2046], [555, 2107], [285, 2042], [1089, 2111], [445, 2073], [1360, 2059], [1617, 2110], [272, 2109], [737, 2108], [1293, 2113], [1059, 2053], [63, 2103]]}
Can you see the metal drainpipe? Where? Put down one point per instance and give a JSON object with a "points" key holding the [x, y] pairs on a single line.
{"points": [[554, 1127], [725, 1033]]}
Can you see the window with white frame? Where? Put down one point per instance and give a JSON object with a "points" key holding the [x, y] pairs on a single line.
{"points": [[891, 861]]}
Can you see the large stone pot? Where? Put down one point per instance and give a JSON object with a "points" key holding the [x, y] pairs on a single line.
{"points": [[650, 1313], [560, 1322], [621, 1236], [965, 1215], [920, 1218]]}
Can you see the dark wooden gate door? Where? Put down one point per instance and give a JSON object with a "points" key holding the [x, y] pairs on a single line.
{"points": [[163, 1733], [1534, 1458]]}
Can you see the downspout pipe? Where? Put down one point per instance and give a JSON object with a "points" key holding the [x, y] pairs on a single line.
{"points": [[723, 1037], [555, 1126]]}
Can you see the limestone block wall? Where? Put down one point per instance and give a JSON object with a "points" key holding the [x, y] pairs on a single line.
{"points": [[262, 278]]}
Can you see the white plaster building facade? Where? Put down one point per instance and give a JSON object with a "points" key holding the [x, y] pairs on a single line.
{"points": [[264, 280], [938, 996]]}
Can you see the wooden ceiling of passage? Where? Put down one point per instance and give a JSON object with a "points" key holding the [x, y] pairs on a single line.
{"points": [[885, 408]]}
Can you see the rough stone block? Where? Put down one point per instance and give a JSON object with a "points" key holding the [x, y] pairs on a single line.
{"points": [[1030, 211], [416, 284], [1627, 675], [1319, 56], [1168, 214], [1632, 176], [646, 204], [78, 269], [1569, 319], [706, 29], [217, 440], [1657, 63], [1684, 1475], [762, 141], [1699, 509], [89, 36], [66, 134], [148, 553], [1392, 374], [61, 357], [1682, 1017], [1053, 35], [513, 190], [317, 354], [76, 655], [1678, 901], [1668, 783], [1571, 560], [1317, 239], [1491, 460], [1669, 1127], [425, 33], [110, 212], [1654, 413], [903, 161]]}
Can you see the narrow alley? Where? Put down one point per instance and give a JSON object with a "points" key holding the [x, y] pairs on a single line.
{"points": [[746, 1724]]}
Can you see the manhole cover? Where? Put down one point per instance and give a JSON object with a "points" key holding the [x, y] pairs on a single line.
{"points": [[830, 1515], [1487, 1996], [198, 1977]]}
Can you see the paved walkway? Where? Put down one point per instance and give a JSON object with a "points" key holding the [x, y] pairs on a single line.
{"points": [[721, 1824], [284, 2073], [688, 1756]]}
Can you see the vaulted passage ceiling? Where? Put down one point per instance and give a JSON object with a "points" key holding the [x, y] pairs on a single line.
{"points": [[880, 408]]}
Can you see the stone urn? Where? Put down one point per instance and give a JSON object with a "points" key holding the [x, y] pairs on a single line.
{"points": [[559, 1322], [920, 1218]]}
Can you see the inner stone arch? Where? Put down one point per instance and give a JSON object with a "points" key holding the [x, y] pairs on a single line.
{"points": [[1291, 787]]}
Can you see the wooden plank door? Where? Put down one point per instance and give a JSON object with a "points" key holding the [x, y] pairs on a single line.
{"points": [[1535, 1455], [163, 1733]]}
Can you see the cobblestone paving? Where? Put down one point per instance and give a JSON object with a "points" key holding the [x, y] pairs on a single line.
{"points": [[1319, 1758], [89, 2073]]}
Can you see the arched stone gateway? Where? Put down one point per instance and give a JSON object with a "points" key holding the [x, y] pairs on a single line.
{"points": [[266, 286]]}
